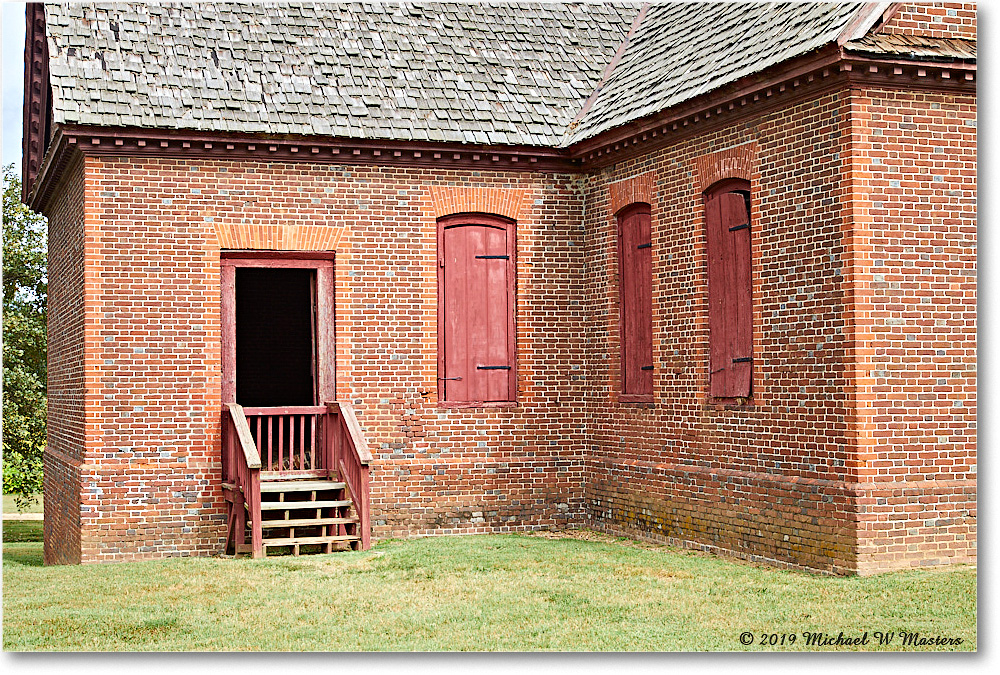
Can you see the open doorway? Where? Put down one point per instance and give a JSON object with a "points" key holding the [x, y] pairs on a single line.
{"points": [[275, 337]]}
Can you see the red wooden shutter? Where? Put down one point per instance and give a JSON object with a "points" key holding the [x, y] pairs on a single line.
{"points": [[730, 309], [636, 301], [477, 332]]}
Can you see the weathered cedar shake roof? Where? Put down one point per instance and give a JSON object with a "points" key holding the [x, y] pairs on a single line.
{"points": [[914, 47], [500, 74], [490, 74], [681, 50]]}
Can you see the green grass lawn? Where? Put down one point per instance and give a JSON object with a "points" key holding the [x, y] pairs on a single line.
{"points": [[10, 507], [503, 592]]}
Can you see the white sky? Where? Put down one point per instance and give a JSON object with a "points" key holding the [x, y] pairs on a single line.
{"points": [[12, 40]]}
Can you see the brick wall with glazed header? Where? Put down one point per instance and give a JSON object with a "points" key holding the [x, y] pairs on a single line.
{"points": [[64, 451], [915, 168], [764, 477], [934, 19], [153, 347], [856, 450]]}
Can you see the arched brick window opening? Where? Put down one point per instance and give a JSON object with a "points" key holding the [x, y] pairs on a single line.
{"points": [[635, 302], [476, 280], [730, 302]]}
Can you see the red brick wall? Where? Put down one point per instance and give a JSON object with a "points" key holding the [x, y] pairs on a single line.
{"points": [[934, 19], [65, 444], [764, 478], [856, 451], [916, 183], [154, 355], [153, 342]]}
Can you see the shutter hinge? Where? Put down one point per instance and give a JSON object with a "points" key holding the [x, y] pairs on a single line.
{"points": [[644, 246], [492, 367], [492, 257], [745, 359], [450, 378], [739, 227], [646, 368]]}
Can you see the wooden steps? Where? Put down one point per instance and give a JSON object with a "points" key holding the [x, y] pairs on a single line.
{"points": [[300, 486], [295, 505], [288, 541], [307, 522], [307, 512]]}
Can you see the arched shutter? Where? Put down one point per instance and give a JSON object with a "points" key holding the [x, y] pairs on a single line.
{"points": [[636, 301], [730, 308], [477, 336]]}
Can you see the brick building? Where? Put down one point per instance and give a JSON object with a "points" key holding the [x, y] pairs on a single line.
{"points": [[680, 272]]}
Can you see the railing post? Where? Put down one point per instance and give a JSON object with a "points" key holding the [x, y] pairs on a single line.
{"points": [[256, 527], [365, 517]]}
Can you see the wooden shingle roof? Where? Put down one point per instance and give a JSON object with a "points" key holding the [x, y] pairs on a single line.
{"points": [[513, 74], [473, 73], [680, 51], [914, 47]]}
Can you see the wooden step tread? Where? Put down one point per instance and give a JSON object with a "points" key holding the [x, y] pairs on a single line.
{"points": [[301, 486], [311, 540], [307, 522], [292, 506]]}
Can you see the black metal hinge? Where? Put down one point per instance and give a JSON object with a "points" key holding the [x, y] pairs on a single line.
{"points": [[739, 227], [493, 257], [745, 359], [644, 246], [450, 378], [492, 367], [646, 368]]}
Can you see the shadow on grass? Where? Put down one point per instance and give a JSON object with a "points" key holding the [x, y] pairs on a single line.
{"points": [[20, 531], [28, 555], [22, 542]]}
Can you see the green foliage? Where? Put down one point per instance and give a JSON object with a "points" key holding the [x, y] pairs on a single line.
{"points": [[25, 291]]}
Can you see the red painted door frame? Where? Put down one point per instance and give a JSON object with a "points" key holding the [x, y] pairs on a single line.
{"points": [[324, 345]]}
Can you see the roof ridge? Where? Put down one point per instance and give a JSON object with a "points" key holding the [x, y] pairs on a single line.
{"points": [[609, 69]]}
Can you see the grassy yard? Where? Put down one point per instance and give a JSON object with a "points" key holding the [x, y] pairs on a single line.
{"points": [[510, 592]]}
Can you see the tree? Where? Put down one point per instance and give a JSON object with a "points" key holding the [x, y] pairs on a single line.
{"points": [[25, 292]]}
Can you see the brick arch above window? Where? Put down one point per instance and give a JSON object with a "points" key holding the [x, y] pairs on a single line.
{"points": [[279, 237], [448, 200], [739, 162], [633, 190]]}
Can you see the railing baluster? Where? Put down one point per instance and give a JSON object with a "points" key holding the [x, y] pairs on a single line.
{"points": [[259, 439], [281, 442], [312, 442], [302, 441], [270, 439]]}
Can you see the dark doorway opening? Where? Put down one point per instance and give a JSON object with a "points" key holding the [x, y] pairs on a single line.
{"points": [[275, 337]]}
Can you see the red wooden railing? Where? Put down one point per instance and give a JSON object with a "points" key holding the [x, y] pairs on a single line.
{"points": [[348, 451], [292, 442], [241, 479]]}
